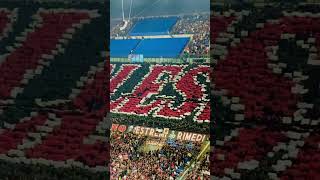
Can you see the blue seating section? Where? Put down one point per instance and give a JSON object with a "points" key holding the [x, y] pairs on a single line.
{"points": [[150, 48], [122, 48], [153, 26], [162, 47]]}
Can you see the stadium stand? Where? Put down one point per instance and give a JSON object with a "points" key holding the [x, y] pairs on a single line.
{"points": [[153, 26], [201, 169], [169, 161], [192, 24], [156, 96], [265, 92], [199, 26], [53, 100], [173, 88]]}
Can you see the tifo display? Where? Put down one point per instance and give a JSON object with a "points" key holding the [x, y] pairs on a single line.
{"points": [[166, 91]]}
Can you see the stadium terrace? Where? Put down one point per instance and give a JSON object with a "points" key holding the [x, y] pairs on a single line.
{"points": [[160, 95]]}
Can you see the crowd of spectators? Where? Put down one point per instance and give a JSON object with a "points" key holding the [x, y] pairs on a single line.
{"points": [[199, 26], [192, 24], [130, 161], [200, 170], [199, 45]]}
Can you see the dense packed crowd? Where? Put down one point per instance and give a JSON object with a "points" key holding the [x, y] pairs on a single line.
{"points": [[130, 161], [199, 45], [199, 27], [126, 149], [192, 24], [125, 113], [200, 169]]}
